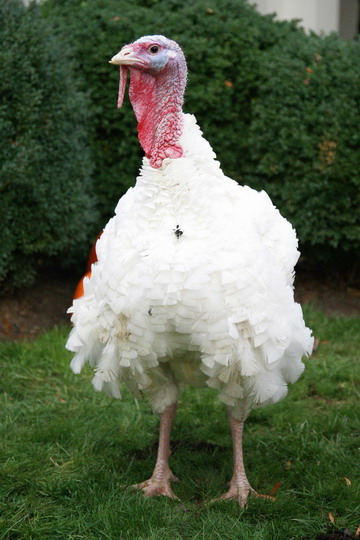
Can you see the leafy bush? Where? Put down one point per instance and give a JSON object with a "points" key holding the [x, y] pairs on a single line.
{"points": [[305, 140], [223, 47], [45, 206], [279, 107]]}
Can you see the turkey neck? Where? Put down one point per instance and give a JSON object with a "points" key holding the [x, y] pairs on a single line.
{"points": [[157, 102]]}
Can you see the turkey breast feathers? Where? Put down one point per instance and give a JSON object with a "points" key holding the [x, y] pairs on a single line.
{"points": [[193, 285]]}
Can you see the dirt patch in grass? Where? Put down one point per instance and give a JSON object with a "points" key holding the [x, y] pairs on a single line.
{"points": [[27, 313], [337, 535], [36, 309], [331, 298]]}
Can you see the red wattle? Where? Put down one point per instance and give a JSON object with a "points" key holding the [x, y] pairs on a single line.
{"points": [[157, 102]]}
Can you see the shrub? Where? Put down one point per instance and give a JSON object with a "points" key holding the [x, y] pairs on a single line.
{"points": [[223, 48], [297, 140], [45, 207], [305, 141]]}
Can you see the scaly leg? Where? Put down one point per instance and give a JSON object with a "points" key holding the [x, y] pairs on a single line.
{"points": [[159, 483], [240, 487]]}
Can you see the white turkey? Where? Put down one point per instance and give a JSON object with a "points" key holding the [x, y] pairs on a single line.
{"points": [[194, 279]]}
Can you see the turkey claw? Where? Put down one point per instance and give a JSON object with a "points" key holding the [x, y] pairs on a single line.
{"points": [[241, 495], [153, 487]]}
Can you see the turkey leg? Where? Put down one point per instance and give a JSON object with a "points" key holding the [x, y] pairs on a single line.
{"points": [[159, 483], [240, 487]]}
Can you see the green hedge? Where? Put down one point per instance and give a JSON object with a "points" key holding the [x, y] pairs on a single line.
{"points": [[223, 45], [46, 206], [304, 140], [280, 108]]}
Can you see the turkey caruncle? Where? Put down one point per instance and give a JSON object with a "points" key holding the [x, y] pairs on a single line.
{"points": [[194, 279]]}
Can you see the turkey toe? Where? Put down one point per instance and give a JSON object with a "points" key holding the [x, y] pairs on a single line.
{"points": [[153, 487]]}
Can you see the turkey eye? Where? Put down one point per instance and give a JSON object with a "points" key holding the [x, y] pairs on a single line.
{"points": [[154, 49]]}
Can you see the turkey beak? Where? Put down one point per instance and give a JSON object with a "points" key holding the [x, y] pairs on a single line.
{"points": [[126, 57]]}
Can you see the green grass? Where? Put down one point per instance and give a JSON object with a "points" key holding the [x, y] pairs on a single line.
{"points": [[69, 453]]}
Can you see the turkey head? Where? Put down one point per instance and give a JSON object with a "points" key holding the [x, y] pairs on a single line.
{"points": [[157, 83]]}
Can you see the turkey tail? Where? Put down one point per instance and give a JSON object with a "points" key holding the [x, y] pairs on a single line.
{"points": [[79, 291]]}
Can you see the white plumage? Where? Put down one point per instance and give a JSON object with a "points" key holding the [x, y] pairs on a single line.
{"points": [[193, 285], [213, 305]]}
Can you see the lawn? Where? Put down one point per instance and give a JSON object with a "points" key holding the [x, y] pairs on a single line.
{"points": [[68, 453]]}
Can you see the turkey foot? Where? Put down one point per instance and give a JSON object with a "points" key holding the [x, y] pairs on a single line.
{"points": [[159, 483], [240, 487], [240, 491]]}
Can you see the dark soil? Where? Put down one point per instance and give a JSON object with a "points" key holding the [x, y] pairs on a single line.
{"points": [[31, 311], [27, 313], [337, 535]]}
